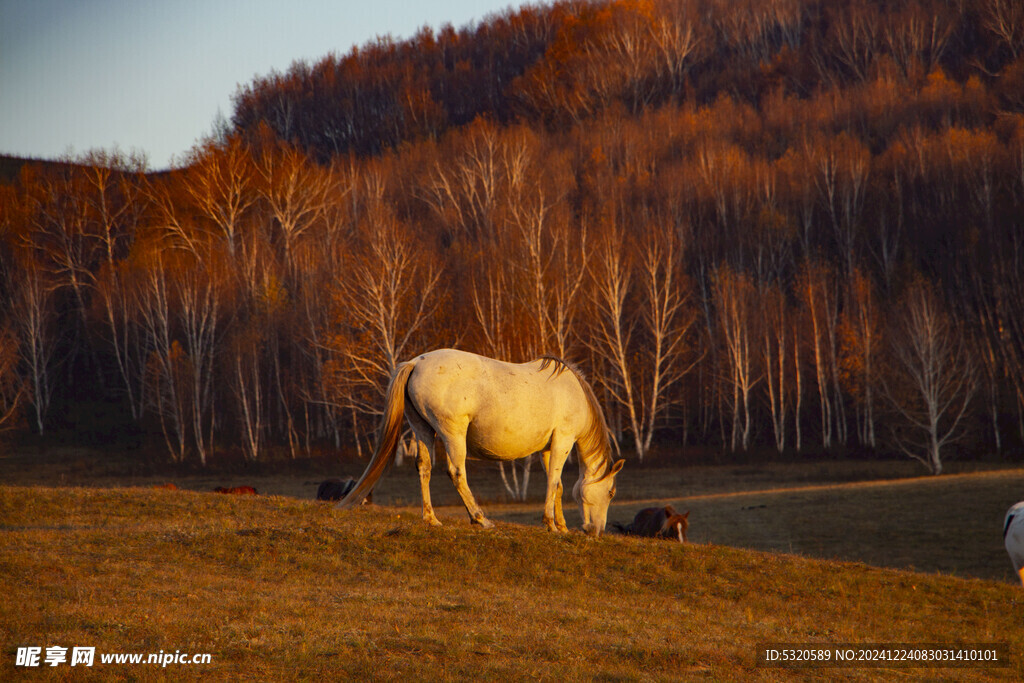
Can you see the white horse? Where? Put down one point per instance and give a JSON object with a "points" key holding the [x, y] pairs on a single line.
{"points": [[1013, 537], [461, 404]]}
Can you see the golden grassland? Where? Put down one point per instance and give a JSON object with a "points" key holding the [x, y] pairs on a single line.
{"points": [[280, 588]]}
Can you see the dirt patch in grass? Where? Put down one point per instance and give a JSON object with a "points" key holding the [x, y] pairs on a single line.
{"points": [[947, 524], [950, 524]]}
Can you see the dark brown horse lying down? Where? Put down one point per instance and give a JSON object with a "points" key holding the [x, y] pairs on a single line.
{"points": [[237, 490], [336, 489], [661, 522]]}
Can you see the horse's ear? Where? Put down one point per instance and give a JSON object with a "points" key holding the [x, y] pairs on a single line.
{"points": [[670, 511], [686, 514], [615, 469]]}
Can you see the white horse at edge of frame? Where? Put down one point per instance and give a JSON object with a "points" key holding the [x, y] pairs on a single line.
{"points": [[1013, 538]]}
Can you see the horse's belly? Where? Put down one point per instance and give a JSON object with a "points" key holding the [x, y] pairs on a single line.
{"points": [[504, 441]]}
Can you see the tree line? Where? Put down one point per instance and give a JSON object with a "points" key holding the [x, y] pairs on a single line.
{"points": [[818, 251], [559, 64]]}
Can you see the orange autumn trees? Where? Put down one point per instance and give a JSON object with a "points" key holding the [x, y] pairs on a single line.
{"points": [[721, 211]]}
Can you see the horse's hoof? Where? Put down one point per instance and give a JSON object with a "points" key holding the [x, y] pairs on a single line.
{"points": [[483, 523], [432, 521]]}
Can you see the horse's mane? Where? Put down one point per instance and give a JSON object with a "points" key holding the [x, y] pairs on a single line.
{"points": [[559, 364], [597, 438]]}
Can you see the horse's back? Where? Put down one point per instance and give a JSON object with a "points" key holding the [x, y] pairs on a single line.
{"points": [[462, 370], [454, 377], [506, 410], [647, 522]]}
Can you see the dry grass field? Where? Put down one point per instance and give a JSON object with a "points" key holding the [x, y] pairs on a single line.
{"points": [[277, 587]]}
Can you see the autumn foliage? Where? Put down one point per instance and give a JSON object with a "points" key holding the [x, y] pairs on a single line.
{"points": [[733, 215]]}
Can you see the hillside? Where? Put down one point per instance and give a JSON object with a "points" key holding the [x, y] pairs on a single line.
{"points": [[10, 166], [281, 588], [562, 64]]}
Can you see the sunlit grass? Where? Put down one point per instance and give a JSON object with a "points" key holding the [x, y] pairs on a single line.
{"points": [[279, 588]]}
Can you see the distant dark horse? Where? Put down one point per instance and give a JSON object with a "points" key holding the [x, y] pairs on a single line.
{"points": [[661, 522], [237, 490], [336, 489]]}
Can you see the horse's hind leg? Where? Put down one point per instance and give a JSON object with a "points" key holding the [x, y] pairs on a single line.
{"points": [[423, 461], [426, 450], [456, 450]]}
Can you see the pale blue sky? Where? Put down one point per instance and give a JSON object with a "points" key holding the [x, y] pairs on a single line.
{"points": [[150, 75]]}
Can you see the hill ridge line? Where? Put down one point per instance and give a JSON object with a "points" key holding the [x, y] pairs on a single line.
{"points": [[878, 483], [871, 483]]}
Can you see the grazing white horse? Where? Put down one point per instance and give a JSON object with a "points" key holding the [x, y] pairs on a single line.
{"points": [[462, 404], [1013, 537]]}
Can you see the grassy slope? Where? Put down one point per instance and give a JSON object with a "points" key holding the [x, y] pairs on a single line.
{"points": [[282, 588], [949, 524], [882, 513]]}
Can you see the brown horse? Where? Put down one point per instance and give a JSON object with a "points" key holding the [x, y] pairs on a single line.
{"points": [[661, 522], [237, 490]]}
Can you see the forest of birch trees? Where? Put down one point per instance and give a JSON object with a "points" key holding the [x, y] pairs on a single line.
{"points": [[792, 226]]}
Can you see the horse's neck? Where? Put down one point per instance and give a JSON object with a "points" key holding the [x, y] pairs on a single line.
{"points": [[593, 450], [594, 463]]}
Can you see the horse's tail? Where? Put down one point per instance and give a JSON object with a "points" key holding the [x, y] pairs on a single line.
{"points": [[387, 438]]}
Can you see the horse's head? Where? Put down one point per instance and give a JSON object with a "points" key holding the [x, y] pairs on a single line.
{"points": [[594, 497], [675, 525]]}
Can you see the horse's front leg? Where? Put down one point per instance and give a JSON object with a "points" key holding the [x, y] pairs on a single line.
{"points": [[554, 460], [456, 450], [559, 517]]}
